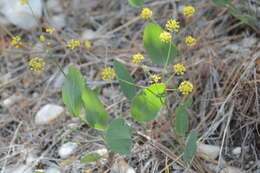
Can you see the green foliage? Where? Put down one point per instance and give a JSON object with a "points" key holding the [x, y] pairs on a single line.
{"points": [[71, 91], [221, 2], [136, 3], [118, 137], [124, 79], [182, 118], [96, 114], [92, 157], [191, 146], [160, 53], [146, 105]]}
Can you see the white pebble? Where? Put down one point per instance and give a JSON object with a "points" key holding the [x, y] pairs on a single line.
{"points": [[11, 100], [17, 14], [237, 151], [48, 113], [67, 149], [211, 151], [54, 5], [53, 170], [19, 169], [58, 21], [89, 34]]}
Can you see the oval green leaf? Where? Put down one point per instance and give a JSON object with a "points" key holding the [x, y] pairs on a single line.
{"points": [[146, 106], [191, 146], [182, 118], [92, 157], [125, 80], [96, 114], [160, 53], [221, 2], [118, 137], [136, 3], [71, 91]]}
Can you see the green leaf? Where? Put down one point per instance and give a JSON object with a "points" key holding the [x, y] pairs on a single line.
{"points": [[118, 137], [191, 146], [96, 114], [71, 91], [92, 157], [221, 2], [122, 76], [136, 3], [182, 118], [145, 106], [158, 51]]}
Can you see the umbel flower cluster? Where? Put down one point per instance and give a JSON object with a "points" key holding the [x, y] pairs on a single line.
{"points": [[171, 26]]}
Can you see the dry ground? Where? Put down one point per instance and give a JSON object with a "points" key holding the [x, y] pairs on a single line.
{"points": [[224, 67]]}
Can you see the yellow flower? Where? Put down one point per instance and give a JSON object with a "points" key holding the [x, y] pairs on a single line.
{"points": [[146, 13], [165, 37], [179, 69], [42, 38], [155, 78], [72, 44], [137, 58], [185, 87], [108, 74], [190, 41], [87, 44], [36, 64], [49, 43], [172, 25], [24, 2], [16, 42], [189, 11], [50, 30]]}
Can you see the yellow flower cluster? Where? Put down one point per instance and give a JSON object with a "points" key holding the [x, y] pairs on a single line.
{"points": [[72, 44], [189, 11], [24, 2], [155, 78], [146, 13], [165, 37], [108, 74], [185, 87], [42, 38], [172, 25], [36, 64], [50, 30], [87, 44], [16, 41], [137, 58], [179, 69], [190, 41]]}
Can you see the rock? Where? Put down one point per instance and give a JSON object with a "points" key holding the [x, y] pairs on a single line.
{"points": [[11, 100], [211, 151], [16, 13], [233, 47], [54, 6], [31, 158], [19, 169], [248, 42], [237, 151], [53, 170], [58, 21], [48, 113], [121, 167], [231, 170], [89, 34], [67, 149]]}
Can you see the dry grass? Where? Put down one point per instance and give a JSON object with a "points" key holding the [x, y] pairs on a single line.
{"points": [[224, 67]]}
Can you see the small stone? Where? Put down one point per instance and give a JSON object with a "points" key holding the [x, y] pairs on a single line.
{"points": [[48, 113], [237, 151], [54, 5], [121, 167], [249, 42], [53, 170], [58, 21], [31, 158], [19, 169], [211, 151], [11, 100], [89, 34], [67, 149], [231, 170]]}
